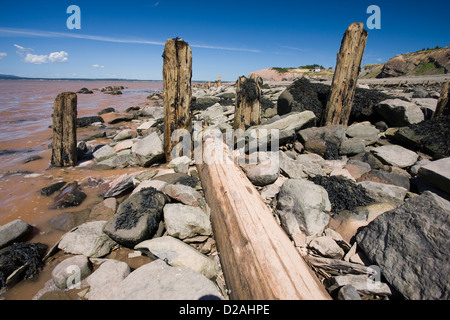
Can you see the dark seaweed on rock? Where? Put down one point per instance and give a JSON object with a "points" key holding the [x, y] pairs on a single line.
{"points": [[128, 219], [343, 193], [19, 254], [305, 95], [436, 133], [249, 90], [132, 211]]}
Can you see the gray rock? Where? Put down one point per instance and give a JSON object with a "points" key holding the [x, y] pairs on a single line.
{"points": [[263, 173], [152, 112], [159, 281], [362, 284], [88, 239], [137, 218], [348, 292], [180, 254], [12, 231], [125, 134], [119, 186], [304, 206], [396, 155], [104, 153], [70, 196], [400, 113], [180, 164], [334, 133], [414, 170], [71, 272], [411, 246], [437, 173], [106, 279], [66, 221], [186, 221], [184, 194], [327, 247], [363, 130], [352, 146], [148, 150], [382, 192], [381, 176]]}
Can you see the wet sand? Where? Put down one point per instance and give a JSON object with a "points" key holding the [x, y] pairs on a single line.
{"points": [[25, 117]]}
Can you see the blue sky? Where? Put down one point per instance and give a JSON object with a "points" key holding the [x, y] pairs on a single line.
{"points": [[126, 39]]}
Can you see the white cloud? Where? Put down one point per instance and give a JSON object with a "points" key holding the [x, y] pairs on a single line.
{"points": [[58, 56], [21, 51], [52, 57], [97, 66], [2, 55], [36, 59]]}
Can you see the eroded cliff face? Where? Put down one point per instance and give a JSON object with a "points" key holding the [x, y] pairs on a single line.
{"points": [[424, 62]]}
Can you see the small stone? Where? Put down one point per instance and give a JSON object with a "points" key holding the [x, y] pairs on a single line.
{"points": [[70, 270], [327, 247]]}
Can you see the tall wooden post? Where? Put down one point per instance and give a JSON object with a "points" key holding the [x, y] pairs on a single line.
{"points": [[177, 75], [220, 80], [248, 102], [443, 102], [64, 145], [348, 64]]}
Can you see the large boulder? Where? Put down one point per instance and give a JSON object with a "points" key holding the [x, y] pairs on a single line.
{"points": [[137, 218], [159, 281], [430, 136], [411, 246], [304, 95], [148, 150], [303, 207], [399, 113]]}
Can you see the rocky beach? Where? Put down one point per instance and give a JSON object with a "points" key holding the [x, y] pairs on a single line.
{"points": [[366, 205]]}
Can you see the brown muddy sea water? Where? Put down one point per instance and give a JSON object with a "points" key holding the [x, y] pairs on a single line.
{"points": [[25, 116]]}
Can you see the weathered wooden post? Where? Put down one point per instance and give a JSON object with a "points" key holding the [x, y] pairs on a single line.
{"points": [[348, 63], [220, 80], [64, 145], [177, 75], [248, 102], [443, 107]]}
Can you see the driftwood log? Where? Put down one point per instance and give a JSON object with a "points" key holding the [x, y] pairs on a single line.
{"points": [[248, 102], [258, 259], [349, 57], [64, 145], [177, 75]]}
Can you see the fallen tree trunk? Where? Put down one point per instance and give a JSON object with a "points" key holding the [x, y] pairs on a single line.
{"points": [[258, 259]]}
